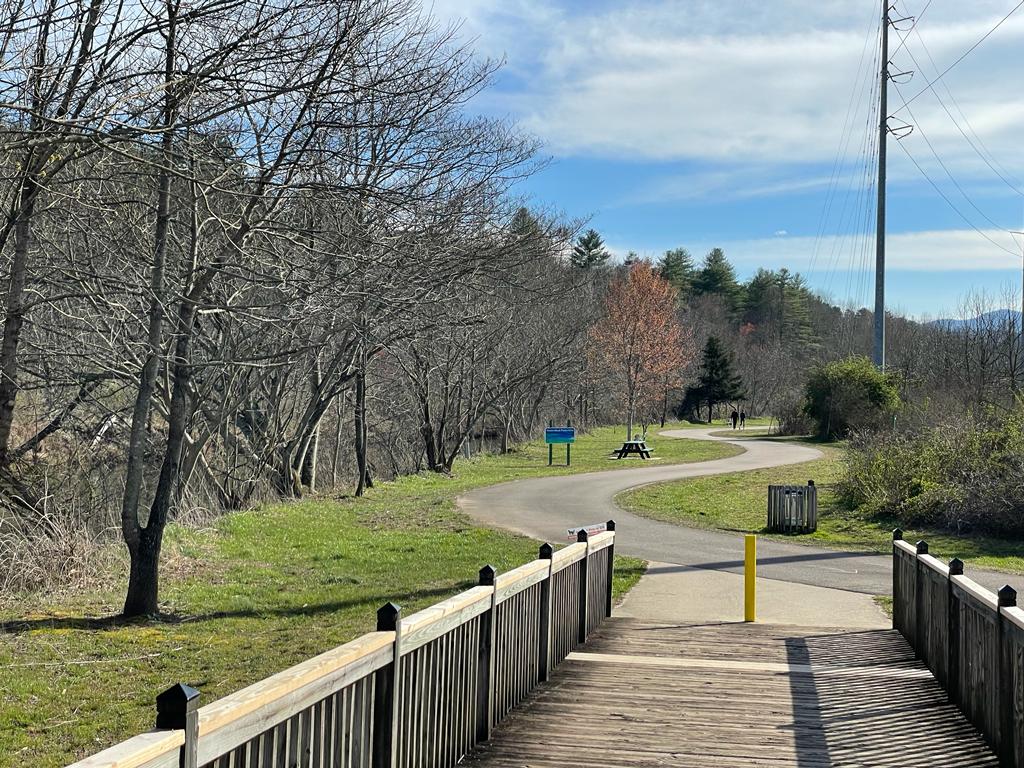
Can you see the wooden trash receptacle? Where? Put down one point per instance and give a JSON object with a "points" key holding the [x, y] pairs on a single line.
{"points": [[793, 508]]}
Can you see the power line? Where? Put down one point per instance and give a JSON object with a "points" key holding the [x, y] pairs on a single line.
{"points": [[988, 158], [950, 202], [935, 154], [963, 56]]}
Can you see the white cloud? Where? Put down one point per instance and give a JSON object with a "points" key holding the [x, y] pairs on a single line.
{"points": [[950, 250], [734, 82]]}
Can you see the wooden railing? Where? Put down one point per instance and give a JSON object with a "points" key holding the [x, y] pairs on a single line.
{"points": [[420, 692], [971, 639]]}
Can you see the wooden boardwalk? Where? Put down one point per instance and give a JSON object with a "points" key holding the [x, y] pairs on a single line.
{"points": [[642, 694]]}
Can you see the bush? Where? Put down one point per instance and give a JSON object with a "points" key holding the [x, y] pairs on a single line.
{"points": [[849, 395], [789, 411], [962, 476]]}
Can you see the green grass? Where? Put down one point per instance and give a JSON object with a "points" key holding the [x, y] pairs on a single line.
{"points": [[263, 590], [738, 502]]}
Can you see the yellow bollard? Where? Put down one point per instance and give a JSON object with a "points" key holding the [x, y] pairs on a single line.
{"points": [[749, 578]]}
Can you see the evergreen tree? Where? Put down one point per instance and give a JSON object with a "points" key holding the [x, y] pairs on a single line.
{"points": [[795, 324], [717, 277], [717, 382], [589, 250], [677, 267], [632, 257], [777, 304]]}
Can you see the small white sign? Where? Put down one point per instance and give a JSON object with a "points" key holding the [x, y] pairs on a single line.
{"points": [[590, 529]]}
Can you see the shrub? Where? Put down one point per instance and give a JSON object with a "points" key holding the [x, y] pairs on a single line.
{"points": [[848, 395], [789, 411], [964, 475]]}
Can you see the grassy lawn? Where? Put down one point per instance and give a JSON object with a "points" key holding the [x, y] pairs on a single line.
{"points": [[260, 591], [738, 502]]}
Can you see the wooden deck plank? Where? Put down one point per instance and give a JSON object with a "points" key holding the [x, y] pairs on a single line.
{"points": [[735, 696]]}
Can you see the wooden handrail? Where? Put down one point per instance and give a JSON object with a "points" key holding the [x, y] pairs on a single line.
{"points": [[233, 720], [425, 625], [566, 556], [969, 637], [1014, 615], [905, 546], [935, 564], [156, 749], [375, 675], [974, 590], [525, 576]]}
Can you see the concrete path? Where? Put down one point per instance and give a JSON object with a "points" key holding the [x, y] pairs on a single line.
{"points": [[675, 594], [544, 507]]}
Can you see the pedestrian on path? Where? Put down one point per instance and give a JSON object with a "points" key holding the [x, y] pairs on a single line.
{"points": [[743, 419], [735, 417]]}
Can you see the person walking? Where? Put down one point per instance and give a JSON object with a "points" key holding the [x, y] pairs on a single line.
{"points": [[743, 419], [735, 418]]}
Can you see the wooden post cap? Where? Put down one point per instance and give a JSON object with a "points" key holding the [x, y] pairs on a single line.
{"points": [[582, 535], [922, 547], [487, 576], [897, 534], [956, 567], [387, 617], [610, 525], [174, 705], [546, 551], [1007, 596]]}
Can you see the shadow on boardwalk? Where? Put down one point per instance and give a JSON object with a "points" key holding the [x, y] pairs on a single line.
{"points": [[719, 695]]}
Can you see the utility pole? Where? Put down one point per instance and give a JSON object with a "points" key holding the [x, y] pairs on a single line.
{"points": [[1020, 322], [883, 134], [1013, 232]]}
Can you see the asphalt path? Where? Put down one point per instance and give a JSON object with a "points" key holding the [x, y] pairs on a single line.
{"points": [[543, 508]]}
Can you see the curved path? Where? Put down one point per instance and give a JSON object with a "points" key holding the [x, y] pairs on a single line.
{"points": [[543, 508]]}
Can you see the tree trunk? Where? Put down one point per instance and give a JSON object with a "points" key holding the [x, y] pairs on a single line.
{"points": [[629, 417], [337, 444], [310, 461], [144, 577], [363, 482], [15, 318], [144, 543], [143, 583]]}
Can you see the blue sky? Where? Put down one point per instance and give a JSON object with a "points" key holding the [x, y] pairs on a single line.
{"points": [[746, 126]]}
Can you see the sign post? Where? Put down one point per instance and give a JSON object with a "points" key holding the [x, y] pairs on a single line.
{"points": [[558, 436]]}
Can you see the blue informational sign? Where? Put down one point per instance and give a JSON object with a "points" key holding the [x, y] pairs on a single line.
{"points": [[559, 435]]}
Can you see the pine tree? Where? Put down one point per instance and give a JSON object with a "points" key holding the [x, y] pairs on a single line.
{"points": [[718, 278], [589, 250], [677, 267], [717, 382], [777, 304], [632, 257]]}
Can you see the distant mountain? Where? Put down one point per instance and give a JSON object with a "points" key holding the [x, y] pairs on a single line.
{"points": [[997, 317]]}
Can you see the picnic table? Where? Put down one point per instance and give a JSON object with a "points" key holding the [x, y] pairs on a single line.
{"points": [[638, 447]]}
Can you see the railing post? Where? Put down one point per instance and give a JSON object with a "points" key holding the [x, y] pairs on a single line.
{"points": [[956, 568], [583, 537], [485, 658], [919, 633], [610, 526], [1007, 747], [544, 644], [177, 709], [385, 699], [897, 598]]}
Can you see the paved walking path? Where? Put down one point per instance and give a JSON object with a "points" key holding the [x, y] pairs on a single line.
{"points": [[544, 507]]}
